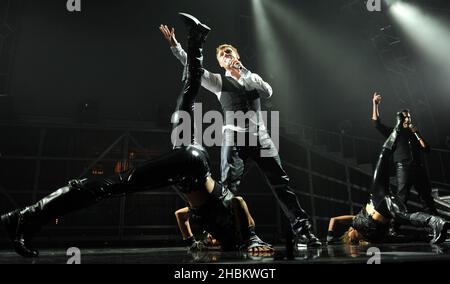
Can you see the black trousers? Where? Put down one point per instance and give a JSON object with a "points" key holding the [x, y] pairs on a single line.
{"points": [[233, 166], [176, 167], [410, 174], [390, 206]]}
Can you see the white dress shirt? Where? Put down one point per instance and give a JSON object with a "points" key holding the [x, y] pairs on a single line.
{"points": [[213, 82]]}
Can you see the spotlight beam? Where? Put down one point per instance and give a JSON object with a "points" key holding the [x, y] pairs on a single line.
{"points": [[429, 34], [270, 50]]}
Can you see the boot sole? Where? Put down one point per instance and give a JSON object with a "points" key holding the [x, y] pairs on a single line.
{"points": [[191, 20], [187, 17], [311, 245]]}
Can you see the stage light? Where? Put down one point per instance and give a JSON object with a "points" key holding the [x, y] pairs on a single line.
{"points": [[265, 37], [428, 34], [327, 50], [270, 52]]}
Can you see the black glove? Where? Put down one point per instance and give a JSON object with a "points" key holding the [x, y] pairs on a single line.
{"points": [[193, 244], [189, 241], [331, 238]]}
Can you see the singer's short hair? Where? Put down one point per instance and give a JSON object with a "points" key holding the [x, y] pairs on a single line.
{"points": [[226, 45]]}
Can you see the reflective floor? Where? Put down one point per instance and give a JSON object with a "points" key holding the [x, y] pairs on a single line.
{"points": [[339, 254]]}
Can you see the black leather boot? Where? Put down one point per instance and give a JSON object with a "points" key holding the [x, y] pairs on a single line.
{"points": [[192, 74], [439, 228], [14, 224], [401, 216], [197, 33], [196, 30], [304, 237], [299, 220], [22, 224], [437, 225]]}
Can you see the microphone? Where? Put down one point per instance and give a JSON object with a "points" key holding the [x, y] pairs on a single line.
{"points": [[236, 65], [413, 128]]}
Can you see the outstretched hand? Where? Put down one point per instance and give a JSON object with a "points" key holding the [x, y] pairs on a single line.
{"points": [[376, 98], [169, 34]]}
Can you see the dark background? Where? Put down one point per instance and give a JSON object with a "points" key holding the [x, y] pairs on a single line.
{"points": [[112, 54]]}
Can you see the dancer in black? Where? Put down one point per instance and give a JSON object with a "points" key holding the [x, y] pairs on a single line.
{"points": [[407, 146], [219, 211], [373, 222]]}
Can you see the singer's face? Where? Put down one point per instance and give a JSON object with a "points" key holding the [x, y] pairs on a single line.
{"points": [[225, 56], [407, 120]]}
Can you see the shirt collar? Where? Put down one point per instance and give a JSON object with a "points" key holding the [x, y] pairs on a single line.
{"points": [[228, 74]]}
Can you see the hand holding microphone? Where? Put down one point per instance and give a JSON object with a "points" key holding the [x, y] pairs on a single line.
{"points": [[233, 63], [414, 130]]}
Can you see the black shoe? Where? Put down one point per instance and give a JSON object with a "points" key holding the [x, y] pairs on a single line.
{"points": [[13, 224], [307, 240], [440, 228], [197, 30]]}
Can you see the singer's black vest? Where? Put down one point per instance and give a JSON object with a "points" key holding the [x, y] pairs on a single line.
{"points": [[234, 98]]}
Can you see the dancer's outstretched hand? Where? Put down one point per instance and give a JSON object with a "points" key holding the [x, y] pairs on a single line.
{"points": [[169, 34]]}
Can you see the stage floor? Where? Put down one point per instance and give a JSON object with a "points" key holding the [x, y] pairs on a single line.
{"points": [[339, 254]]}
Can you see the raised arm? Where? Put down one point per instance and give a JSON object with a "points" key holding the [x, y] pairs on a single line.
{"points": [[383, 129], [175, 47], [376, 102], [210, 81]]}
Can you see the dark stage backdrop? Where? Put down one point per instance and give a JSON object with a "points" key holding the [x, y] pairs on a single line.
{"points": [[112, 55]]}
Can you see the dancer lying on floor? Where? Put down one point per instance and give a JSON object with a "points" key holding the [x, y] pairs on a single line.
{"points": [[222, 214], [372, 223]]}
